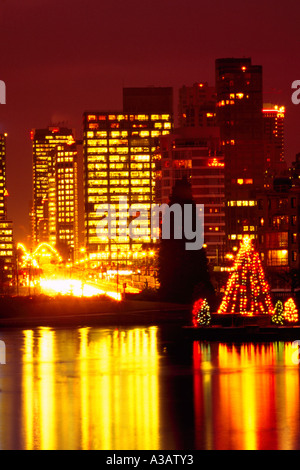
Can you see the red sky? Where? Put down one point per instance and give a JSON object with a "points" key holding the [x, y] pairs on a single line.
{"points": [[59, 58]]}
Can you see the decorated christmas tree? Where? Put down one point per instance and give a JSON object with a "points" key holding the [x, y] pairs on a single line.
{"points": [[278, 317], [290, 311], [201, 313], [247, 291]]}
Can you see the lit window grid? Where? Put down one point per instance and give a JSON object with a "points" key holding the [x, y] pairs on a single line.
{"points": [[135, 154], [66, 198], [42, 166], [6, 242], [199, 168], [2, 175]]}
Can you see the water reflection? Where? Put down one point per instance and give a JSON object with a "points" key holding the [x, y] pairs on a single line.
{"points": [[87, 389], [246, 396], [137, 388]]}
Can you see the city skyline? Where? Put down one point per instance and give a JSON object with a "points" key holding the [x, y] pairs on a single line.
{"points": [[173, 44], [149, 227], [16, 215]]}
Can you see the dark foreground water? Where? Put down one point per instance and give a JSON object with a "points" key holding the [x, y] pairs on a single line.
{"points": [[144, 388]]}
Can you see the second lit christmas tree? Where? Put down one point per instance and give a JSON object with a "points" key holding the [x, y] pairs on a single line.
{"points": [[247, 291]]}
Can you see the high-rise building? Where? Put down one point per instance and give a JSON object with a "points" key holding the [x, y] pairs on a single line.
{"points": [[3, 190], [295, 171], [154, 101], [195, 155], [63, 201], [240, 117], [278, 231], [200, 141], [273, 122], [197, 105], [6, 226], [6, 253], [120, 151], [44, 141]]}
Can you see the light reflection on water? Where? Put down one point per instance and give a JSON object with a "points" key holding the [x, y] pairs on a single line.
{"points": [[113, 389], [246, 396]]}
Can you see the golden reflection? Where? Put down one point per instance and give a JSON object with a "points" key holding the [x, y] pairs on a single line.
{"points": [[28, 387], [124, 393], [38, 389], [46, 400], [291, 388], [90, 389], [240, 400], [84, 386], [203, 392]]}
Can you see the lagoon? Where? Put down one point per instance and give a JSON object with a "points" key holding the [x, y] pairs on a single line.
{"points": [[145, 388]]}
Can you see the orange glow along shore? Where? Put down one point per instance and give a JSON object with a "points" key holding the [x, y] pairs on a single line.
{"points": [[42, 311]]}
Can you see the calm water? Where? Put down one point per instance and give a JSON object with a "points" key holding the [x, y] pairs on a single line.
{"points": [[139, 388]]}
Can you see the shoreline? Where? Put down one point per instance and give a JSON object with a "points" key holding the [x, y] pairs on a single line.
{"points": [[45, 312], [243, 334], [70, 312]]}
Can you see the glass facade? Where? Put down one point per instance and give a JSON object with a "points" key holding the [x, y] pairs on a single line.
{"points": [[44, 143], [120, 153], [63, 202], [2, 175], [185, 153], [239, 115]]}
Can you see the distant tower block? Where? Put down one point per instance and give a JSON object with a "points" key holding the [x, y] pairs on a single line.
{"points": [[44, 143]]}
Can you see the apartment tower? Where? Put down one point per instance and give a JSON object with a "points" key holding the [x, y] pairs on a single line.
{"points": [[240, 118], [54, 187], [6, 226], [120, 152]]}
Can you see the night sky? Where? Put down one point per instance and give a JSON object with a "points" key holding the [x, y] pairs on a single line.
{"points": [[62, 57]]}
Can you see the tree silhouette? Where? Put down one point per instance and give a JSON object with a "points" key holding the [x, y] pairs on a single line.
{"points": [[183, 274]]}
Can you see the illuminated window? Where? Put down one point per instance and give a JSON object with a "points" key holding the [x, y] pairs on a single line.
{"points": [[277, 239], [277, 258], [294, 237], [144, 133]]}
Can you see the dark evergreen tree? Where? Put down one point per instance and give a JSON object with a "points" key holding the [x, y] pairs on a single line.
{"points": [[183, 274]]}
